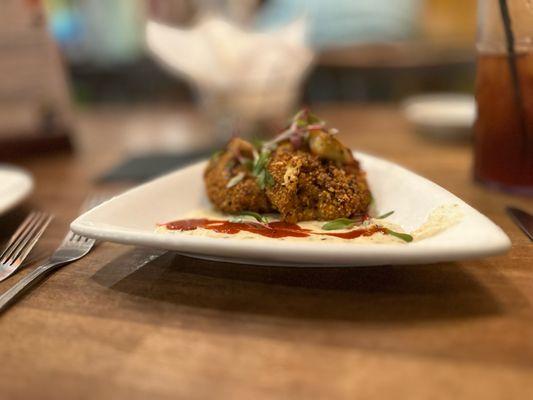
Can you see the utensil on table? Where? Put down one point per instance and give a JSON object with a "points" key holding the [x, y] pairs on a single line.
{"points": [[22, 241], [71, 249], [523, 219]]}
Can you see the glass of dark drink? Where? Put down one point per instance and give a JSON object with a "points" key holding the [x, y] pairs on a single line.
{"points": [[503, 150]]}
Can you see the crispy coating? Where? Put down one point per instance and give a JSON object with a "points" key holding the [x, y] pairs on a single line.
{"points": [[244, 196], [310, 188], [317, 181]]}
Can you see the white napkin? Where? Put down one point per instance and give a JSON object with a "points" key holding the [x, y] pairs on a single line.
{"points": [[244, 70]]}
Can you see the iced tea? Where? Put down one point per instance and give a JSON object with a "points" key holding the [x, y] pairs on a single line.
{"points": [[504, 126]]}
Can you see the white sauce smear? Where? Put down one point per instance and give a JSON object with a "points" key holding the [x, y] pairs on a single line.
{"points": [[440, 219]]}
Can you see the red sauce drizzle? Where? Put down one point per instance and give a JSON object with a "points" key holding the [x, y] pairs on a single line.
{"points": [[277, 229], [357, 232]]}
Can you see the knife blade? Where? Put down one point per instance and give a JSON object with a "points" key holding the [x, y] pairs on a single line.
{"points": [[523, 219]]}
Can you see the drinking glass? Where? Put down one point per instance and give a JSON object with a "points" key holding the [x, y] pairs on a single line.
{"points": [[503, 151]]}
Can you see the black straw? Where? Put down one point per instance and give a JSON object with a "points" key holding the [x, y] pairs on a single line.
{"points": [[511, 57]]}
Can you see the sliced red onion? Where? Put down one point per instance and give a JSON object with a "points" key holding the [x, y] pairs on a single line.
{"points": [[296, 141], [315, 126], [286, 134]]}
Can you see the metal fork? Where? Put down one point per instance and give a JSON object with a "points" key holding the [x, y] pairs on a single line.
{"points": [[71, 249], [22, 241]]}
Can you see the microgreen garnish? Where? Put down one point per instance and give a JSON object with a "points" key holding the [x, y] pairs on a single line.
{"points": [[236, 179], [257, 143], [260, 161], [216, 155], [259, 169], [249, 164], [230, 164], [264, 179], [257, 216], [305, 117], [383, 216], [340, 223], [298, 130], [404, 236]]}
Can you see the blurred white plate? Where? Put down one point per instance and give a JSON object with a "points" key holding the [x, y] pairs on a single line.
{"points": [[15, 186], [443, 115], [131, 219]]}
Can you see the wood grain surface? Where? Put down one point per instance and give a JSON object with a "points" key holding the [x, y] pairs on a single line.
{"points": [[124, 323]]}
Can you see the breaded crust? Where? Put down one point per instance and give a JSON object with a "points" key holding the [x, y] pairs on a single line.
{"points": [[244, 196], [309, 188]]}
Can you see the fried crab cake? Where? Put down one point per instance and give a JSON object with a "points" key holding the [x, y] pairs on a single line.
{"points": [[308, 187], [230, 185]]}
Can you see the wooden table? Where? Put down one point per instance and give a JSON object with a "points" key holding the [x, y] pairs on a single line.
{"points": [[124, 324]]}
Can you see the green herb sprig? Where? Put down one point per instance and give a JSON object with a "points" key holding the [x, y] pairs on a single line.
{"points": [[216, 155], [259, 169], [230, 165], [404, 236], [340, 223], [383, 216], [257, 143], [305, 117], [260, 218], [260, 161]]}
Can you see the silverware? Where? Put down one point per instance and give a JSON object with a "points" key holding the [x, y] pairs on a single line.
{"points": [[71, 249], [523, 219], [22, 241]]}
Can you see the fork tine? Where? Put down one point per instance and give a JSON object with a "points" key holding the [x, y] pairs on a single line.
{"points": [[67, 252], [89, 203], [18, 232], [23, 234], [26, 250], [69, 236], [71, 249], [28, 241]]}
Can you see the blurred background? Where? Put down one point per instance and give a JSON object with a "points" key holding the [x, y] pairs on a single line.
{"points": [[210, 68]]}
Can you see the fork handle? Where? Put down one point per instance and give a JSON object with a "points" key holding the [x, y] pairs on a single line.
{"points": [[25, 282]]}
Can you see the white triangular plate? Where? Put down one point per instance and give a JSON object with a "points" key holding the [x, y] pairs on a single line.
{"points": [[131, 218]]}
